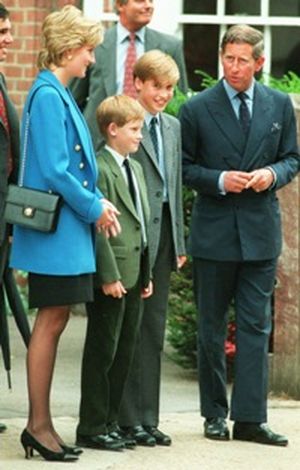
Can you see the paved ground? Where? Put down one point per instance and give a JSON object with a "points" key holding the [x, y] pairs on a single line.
{"points": [[179, 418]]}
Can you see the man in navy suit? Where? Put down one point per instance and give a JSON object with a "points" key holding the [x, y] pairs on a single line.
{"points": [[239, 148]]}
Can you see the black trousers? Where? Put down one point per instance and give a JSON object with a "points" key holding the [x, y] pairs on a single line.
{"points": [[112, 329], [251, 285], [140, 404]]}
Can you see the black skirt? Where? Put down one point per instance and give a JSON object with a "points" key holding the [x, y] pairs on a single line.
{"points": [[54, 291]]}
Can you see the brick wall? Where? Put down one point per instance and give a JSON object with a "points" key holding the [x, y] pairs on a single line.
{"points": [[20, 67]]}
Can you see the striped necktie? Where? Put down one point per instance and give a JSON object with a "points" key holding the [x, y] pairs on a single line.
{"points": [[131, 57]]}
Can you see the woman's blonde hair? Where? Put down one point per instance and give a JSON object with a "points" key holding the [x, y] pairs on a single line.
{"points": [[119, 109], [64, 30]]}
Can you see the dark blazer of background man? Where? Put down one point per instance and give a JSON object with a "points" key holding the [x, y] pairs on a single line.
{"points": [[235, 237], [101, 78], [9, 141], [9, 147]]}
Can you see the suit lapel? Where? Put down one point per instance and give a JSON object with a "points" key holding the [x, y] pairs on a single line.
{"points": [[168, 142], [151, 40], [108, 56], [146, 143], [262, 106], [13, 120], [142, 188], [222, 113], [80, 123], [120, 184]]}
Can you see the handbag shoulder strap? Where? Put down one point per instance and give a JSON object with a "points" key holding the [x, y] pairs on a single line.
{"points": [[25, 141]]}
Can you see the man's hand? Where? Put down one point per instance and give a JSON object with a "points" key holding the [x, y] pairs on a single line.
{"points": [[260, 180], [181, 259], [147, 291], [236, 181], [115, 289]]}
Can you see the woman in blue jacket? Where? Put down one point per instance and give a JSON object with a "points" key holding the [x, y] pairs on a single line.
{"points": [[58, 157]]}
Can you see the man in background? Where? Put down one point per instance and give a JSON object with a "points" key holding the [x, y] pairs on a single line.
{"points": [[123, 44], [9, 148]]}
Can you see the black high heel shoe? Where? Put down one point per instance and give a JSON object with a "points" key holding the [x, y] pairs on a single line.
{"points": [[30, 444], [73, 450]]}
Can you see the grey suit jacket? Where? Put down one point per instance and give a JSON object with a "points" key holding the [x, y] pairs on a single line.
{"points": [[147, 158], [100, 81], [244, 226], [15, 144]]}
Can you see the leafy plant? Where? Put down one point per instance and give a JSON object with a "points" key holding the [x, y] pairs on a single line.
{"points": [[177, 101], [207, 80], [288, 83], [182, 319]]}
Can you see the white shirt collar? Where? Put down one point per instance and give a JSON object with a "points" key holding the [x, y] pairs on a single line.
{"points": [[231, 92], [149, 116], [117, 156], [122, 33]]}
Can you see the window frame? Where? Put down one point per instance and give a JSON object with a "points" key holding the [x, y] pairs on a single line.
{"points": [[221, 19]]}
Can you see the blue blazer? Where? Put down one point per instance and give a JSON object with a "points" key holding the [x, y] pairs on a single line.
{"points": [[244, 226], [59, 157]]}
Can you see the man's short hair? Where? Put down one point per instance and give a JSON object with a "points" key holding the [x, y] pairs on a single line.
{"points": [[156, 65], [241, 34], [4, 13], [119, 3], [119, 109]]}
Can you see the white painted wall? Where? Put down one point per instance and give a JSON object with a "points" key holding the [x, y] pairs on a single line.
{"points": [[93, 8], [165, 17]]}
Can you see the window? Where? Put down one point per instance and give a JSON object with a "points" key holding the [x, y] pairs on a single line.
{"points": [[205, 21]]}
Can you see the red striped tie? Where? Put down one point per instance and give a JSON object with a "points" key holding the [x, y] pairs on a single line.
{"points": [[128, 85]]}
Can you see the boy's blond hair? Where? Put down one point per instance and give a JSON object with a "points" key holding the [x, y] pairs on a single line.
{"points": [[119, 109], [156, 65]]}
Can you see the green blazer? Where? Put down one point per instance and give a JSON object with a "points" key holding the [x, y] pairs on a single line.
{"points": [[122, 257]]}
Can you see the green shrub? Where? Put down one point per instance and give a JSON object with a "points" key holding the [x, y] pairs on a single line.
{"points": [[182, 319], [289, 83]]}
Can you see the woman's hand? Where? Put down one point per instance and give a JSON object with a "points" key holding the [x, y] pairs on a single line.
{"points": [[108, 222]]}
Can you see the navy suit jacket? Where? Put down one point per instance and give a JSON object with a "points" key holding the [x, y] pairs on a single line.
{"points": [[244, 226], [15, 150]]}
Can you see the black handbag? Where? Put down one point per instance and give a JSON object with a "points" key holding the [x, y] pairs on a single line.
{"points": [[31, 208]]}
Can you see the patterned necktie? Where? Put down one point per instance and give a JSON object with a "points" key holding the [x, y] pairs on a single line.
{"points": [[128, 85], [244, 114], [130, 180], [3, 117], [153, 135]]}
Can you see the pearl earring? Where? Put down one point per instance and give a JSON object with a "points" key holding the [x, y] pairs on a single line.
{"points": [[69, 57]]}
